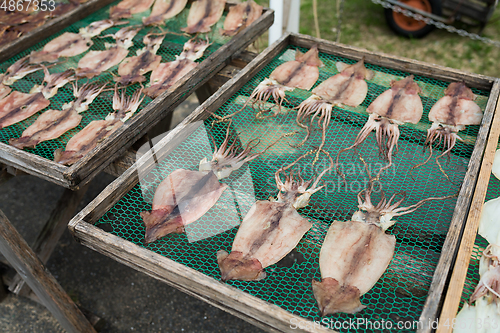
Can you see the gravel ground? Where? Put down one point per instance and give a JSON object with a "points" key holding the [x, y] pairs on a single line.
{"points": [[127, 300]]}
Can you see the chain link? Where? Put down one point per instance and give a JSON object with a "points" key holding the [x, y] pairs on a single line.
{"points": [[439, 25]]}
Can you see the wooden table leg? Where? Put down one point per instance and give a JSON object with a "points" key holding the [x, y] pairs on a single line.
{"points": [[15, 249], [4, 175], [51, 233], [3, 292], [203, 93]]}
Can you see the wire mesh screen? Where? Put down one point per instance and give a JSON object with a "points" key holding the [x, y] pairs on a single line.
{"points": [[172, 45], [399, 295]]}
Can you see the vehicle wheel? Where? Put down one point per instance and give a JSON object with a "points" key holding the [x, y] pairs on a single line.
{"points": [[408, 27]]}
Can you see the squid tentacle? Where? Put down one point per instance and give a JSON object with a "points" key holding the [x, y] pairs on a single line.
{"points": [[382, 214], [125, 106], [230, 157], [490, 278], [261, 94], [299, 192], [314, 107], [369, 126], [439, 135], [387, 136]]}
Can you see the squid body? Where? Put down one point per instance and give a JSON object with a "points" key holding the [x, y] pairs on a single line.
{"points": [[271, 229], [345, 88], [398, 105], [186, 195], [356, 253]]}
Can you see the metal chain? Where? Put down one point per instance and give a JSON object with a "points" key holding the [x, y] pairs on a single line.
{"points": [[439, 25]]}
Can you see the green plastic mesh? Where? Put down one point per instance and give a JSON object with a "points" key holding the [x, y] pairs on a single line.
{"points": [[102, 105], [399, 295]]}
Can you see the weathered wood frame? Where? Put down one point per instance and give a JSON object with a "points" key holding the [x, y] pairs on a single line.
{"points": [[239, 303], [116, 144]]}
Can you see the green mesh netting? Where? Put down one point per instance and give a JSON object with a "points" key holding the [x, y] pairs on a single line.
{"points": [[399, 295], [102, 105]]}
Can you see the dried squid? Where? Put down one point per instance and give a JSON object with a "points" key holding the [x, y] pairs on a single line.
{"points": [[271, 229], [70, 44], [345, 88], [203, 14], [167, 74], [15, 72], [486, 311], [12, 18], [132, 69], [95, 28], [241, 16], [356, 253], [186, 195], [34, 21], [4, 90], [163, 10], [95, 62], [489, 228], [396, 106], [98, 130], [53, 123], [127, 8], [484, 316], [52, 82], [300, 73], [62, 8], [18, 106], [450, 115]]}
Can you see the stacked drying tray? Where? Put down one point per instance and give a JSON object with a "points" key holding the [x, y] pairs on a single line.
{"points": [[408, 292], [39, 161], [30, 22]]}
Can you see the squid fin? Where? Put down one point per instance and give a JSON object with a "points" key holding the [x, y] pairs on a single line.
{"points": [[311, 57], [160, 223], [42, 56], [66, 157], [235, 266], [369, 74], [341, 66], [23, 142], [333, 297]]}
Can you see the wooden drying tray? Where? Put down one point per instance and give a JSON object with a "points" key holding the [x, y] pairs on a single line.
{"points": [[52, 26], [465, 255], [116, 144], [252, 309]]}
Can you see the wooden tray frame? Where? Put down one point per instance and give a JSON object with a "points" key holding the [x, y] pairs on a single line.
{"points": [[233, 300], [116, 144]]}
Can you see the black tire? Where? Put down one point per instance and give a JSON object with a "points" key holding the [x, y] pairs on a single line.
{"points": [[436, 10]]}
